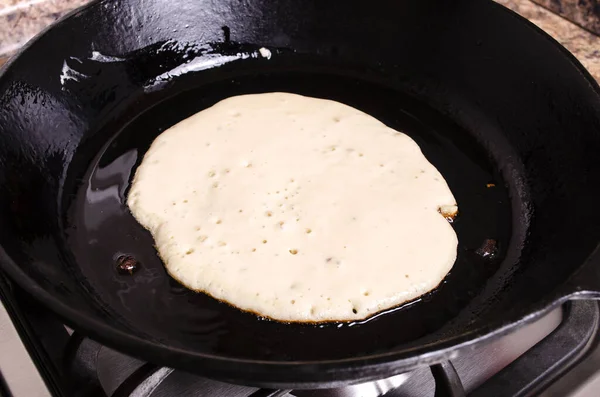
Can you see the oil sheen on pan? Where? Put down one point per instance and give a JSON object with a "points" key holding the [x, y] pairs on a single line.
{"points": [[295, 208]]}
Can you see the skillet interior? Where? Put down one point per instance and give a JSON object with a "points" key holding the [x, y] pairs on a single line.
{"points": [[100, 228], [447, 72]]}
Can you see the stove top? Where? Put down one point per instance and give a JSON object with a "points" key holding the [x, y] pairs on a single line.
{"points": [[554, 356]]}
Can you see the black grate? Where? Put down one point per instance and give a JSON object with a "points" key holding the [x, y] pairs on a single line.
{"points": [[68, 363]]}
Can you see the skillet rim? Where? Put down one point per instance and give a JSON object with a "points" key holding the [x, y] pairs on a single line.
{"points": [[299, 372]]}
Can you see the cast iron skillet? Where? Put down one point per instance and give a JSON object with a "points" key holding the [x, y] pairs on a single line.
{"points": [[509, 117]]}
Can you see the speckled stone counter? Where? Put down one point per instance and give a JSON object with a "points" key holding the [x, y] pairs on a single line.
{"points": [[585, 13], [583, 44], [22, 19]]}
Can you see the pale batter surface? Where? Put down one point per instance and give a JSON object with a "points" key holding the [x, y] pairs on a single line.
{"points": [[295, 208]]}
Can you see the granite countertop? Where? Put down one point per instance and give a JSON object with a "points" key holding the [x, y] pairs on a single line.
{"points": [[22, 19], [583, 44]]}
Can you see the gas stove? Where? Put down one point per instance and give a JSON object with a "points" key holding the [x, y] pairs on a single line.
{"points": [[557, 355]]}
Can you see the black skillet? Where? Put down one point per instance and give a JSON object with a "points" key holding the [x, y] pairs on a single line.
{"points": [[508, 116]]}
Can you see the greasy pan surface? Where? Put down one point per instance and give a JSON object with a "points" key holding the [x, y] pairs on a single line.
{"points": [[488, 97]]}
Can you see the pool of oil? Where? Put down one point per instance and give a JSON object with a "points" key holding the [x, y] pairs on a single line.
{"points": [[100, 230]]}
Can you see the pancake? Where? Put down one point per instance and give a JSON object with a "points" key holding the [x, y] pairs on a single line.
{"points": [[297, 209]]}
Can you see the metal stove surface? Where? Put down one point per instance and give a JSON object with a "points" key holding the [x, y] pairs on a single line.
{"points": [[473, 369], [496, 369]]}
